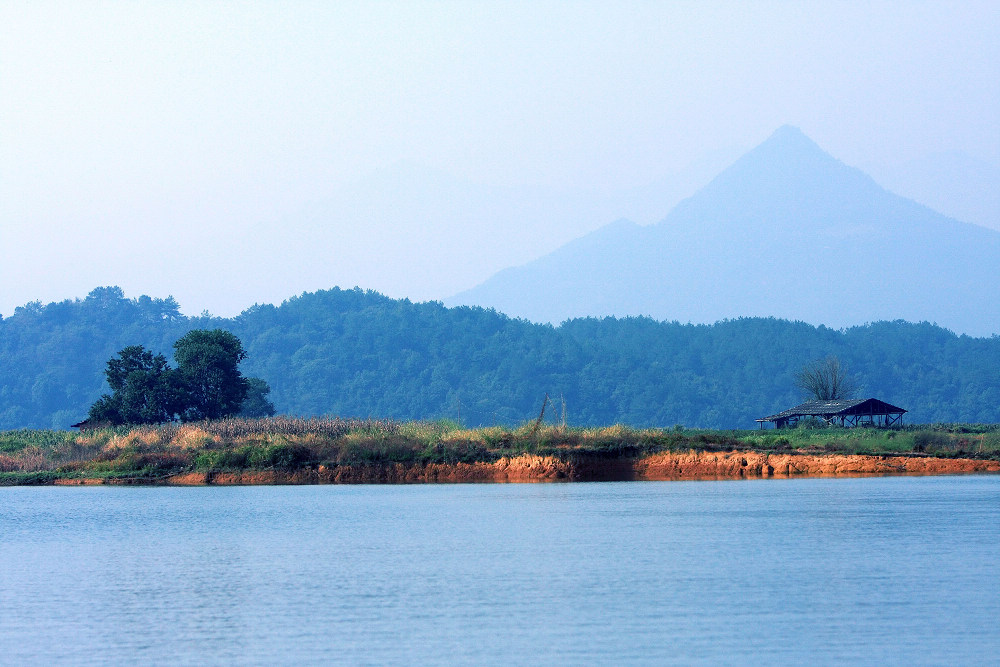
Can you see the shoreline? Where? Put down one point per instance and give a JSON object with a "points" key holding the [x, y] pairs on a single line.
{"points": [[530, 468]]}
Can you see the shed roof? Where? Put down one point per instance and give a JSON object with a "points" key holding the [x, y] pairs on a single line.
{"points": [[852, 406]]}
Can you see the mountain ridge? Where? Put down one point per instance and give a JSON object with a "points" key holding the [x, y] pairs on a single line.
{"points": [[786, 231]]}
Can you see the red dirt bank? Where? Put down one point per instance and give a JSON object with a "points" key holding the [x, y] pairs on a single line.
{"points": [[690, 465]]}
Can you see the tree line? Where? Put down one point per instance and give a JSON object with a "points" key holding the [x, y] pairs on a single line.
{"points": [[357, 353]]}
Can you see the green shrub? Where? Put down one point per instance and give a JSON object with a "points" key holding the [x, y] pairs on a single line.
{"points": [[925, 441], [280, 456], [392, 449], [28, 478], [222, 459], [15, 441], [134, 463]]}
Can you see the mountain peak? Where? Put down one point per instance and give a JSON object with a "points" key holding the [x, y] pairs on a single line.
{"points": [[789, 143], [788, 164], [788, 134]]}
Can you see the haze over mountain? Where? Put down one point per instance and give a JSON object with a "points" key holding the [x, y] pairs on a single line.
{"points": [[465, 226], [951, 182], [232, 153], [786, 231]]}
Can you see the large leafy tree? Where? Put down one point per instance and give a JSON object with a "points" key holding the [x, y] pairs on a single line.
{"points": [[206, 384], [209, 375], [144, 389]]}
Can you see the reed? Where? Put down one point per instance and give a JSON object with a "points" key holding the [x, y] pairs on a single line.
{"points": [[288, 443]]}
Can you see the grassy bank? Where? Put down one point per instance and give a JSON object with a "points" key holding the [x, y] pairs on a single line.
{"points": [[280, 443]]}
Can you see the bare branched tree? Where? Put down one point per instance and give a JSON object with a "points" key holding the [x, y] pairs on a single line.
{"points": [[826, 380]]}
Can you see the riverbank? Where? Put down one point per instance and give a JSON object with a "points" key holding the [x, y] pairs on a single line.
{"points": [[284, 450], [528, 468]]}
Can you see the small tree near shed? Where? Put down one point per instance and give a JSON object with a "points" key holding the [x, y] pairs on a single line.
{"points": [[826, 380]]}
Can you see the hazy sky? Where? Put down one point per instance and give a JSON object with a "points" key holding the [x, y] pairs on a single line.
{"points": [[232, 153]]}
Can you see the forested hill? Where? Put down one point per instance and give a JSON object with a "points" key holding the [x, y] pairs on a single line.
{"points": [[357, 353]]}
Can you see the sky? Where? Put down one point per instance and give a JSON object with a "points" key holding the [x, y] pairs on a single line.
{"points": [[236, 153]]}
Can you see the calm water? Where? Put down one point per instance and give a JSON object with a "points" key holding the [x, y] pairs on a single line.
{"points": [[878, 570]]}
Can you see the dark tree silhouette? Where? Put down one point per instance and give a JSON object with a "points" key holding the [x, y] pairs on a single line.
{"points": [[207, 383], [256, 403], [144, 389], [826, 380], [208, 368]]}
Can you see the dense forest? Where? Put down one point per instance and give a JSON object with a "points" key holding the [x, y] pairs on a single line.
{"points": [[357, 353]]}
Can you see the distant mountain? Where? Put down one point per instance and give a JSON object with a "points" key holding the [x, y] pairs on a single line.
{"points": [[786, 231], [418, 220], [951, 182]]}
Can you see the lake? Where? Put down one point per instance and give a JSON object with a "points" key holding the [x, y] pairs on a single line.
{"points": [[899, 570]]}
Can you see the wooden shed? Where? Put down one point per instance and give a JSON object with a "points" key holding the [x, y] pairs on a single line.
{"points": [[841, 412]]}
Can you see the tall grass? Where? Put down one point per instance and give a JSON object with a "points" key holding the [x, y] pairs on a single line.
{"points": [[947, 440], [289, 443]]}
